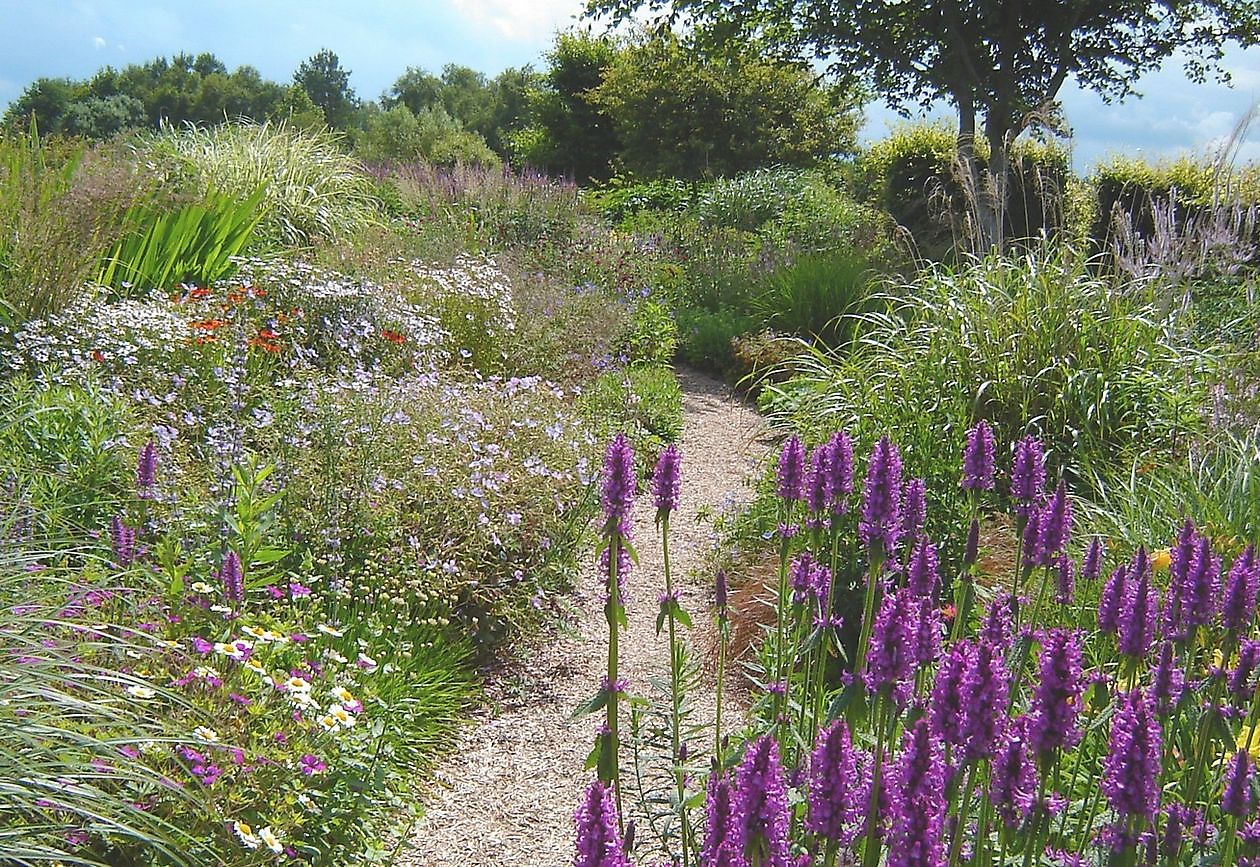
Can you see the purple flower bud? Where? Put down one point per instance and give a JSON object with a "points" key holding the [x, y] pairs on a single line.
{"points": [[801, 576], [913, 510], [818, 485], [922, 576], [972, 549], [927, 632], [1111, 598], [667, 480], [1030, 550], [1056, 700], [890, 656], [841, 465], [232, 578], [792, 470], [998, 621], [1055, 526], [916, 795], [760, 807], [719, 594], [1091, 566], [947, 707], [598, 841], [1013, 786], [1240, 678], [837, 785], [880, 524], [985, 689], [146, 471], [1065, 580], [1202, 587], [1131, 768], [718, 824], [123, 539], [1028, 474], [978, 459], [1167, 681], [1237, 799], [1238, 606], [1137, 610], [619, 485]]}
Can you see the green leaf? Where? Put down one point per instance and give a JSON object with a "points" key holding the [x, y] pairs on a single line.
{"points": [[595, 703]]}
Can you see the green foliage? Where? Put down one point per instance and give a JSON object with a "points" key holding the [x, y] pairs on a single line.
{"points": [[432, 135], [492, 108], [679, 113], [313, 189], [328, 86], [814, 295], [195, 243], [623, 198], [705, 336], [653, 334], [643, 401]]}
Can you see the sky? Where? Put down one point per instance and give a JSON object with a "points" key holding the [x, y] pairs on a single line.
{"points": [[377, 39]]}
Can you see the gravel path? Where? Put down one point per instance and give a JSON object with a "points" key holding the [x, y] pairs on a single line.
{"points": [[506, 795]]}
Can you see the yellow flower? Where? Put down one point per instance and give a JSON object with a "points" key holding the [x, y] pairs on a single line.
{"points": [[1248, 735], [1161, 560]]}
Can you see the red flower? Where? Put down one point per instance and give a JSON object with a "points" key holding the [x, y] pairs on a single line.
{"points": [[393, 336], [98, 356]]}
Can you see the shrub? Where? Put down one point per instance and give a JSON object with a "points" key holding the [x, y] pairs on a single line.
{"points": [[813, 295], [705, 337], [622, 198], [314, 189], [432, 135], [643, 401]]}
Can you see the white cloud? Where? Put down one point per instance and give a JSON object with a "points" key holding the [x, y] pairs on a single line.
{"points": [[99, 42], [521, 20]]}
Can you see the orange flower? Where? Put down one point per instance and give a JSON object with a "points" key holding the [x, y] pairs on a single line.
{"points": [[98, 356], [949, 612], [199, 292], [256, 292], [264, 344], [393, 336], [202, 339], [267, 334], [207, 324], [236, 297]]}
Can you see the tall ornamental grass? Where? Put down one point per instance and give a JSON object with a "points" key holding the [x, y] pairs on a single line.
{"points": [[315, 190]]}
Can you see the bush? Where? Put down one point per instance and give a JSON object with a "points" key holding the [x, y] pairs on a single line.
{"points": [[432, 135], [814, 295], [643, 401], [314, 189], [705, 337]]}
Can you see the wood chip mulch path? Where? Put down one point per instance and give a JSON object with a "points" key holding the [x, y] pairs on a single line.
{"points": [[506, 794]]}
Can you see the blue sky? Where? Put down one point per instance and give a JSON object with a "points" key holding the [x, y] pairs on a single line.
{"points": [[377, 39]]}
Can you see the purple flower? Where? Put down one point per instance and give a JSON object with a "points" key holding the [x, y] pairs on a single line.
{"points": [[598, 841], [1013, 784], [1130, 778], [972, 549], [1065, 580], [1137, 609], [818, 487], [760, 807], [311, 764], [1030, 549], [1167, 681], [890, 656], [1056, 700], [922, 574], [1240, 677], [719, 594], [1055, 526], [232, 577], [837, 785], [667, 480], [946, 709], [1237, 799], [801, 576], [123, 539], [841, 464], [985, 689], [1111, 598], [917, 802], [927, 631], [146, 471], [791, 475], [619, 485], [913, 510], [1091, 565], [1201, 588], [978, 459], [718, 821], [1238, 605], [880, 524], [1028, 475], [997, 625]]}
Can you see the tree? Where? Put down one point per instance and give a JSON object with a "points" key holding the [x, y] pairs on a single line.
{"points": [[328, 86], [1001, 64], [679, 113]]}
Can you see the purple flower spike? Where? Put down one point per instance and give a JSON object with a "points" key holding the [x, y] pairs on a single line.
{"points": [[881, 500], [1202, 586], [1030, 551], [792, 470], [893, 644], [1065, 580], [1055, 526], [619, 485], [985, 687], [923, 576], [917, 801], [802, 577], [123, 539], [232, 578], [1131, 769], [913, 510], [1137, 610], [818, 484], [947, 707], [1240, 678], [1056, 700], [146, 471], [998, 622], [978, 459], [1014, 782], [1238, 605], [837, 785], [719, 594], [971, 551], [1028, 475], [841, 464], [1237, 799], [927, 632], [760, 807], [718, 822], [1091, 565], [598, 841], [1167, 681], [667, 480], [1111, 598]]}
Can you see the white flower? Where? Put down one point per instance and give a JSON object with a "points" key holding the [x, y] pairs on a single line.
{"points": [[220, 609], [255, 632], [208, 735], [297, 684], [270, 840], [140, 692], [234, 650], [337, 657], [201, 587], [306, 801], [255, 666], [302, 698], [273, 637], [328, 722], [342, 694], [343, 717], [205, 672], [329, 630], [246, 834], [366, 662]]}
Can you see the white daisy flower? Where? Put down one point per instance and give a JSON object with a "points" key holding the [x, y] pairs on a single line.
{"points": [[206, 734], [270, 840], [329, 630], [246, 834], [140, 692]]}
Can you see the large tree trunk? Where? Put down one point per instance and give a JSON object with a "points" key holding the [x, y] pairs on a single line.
{"points": [[985, 229], [999, 176]]}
